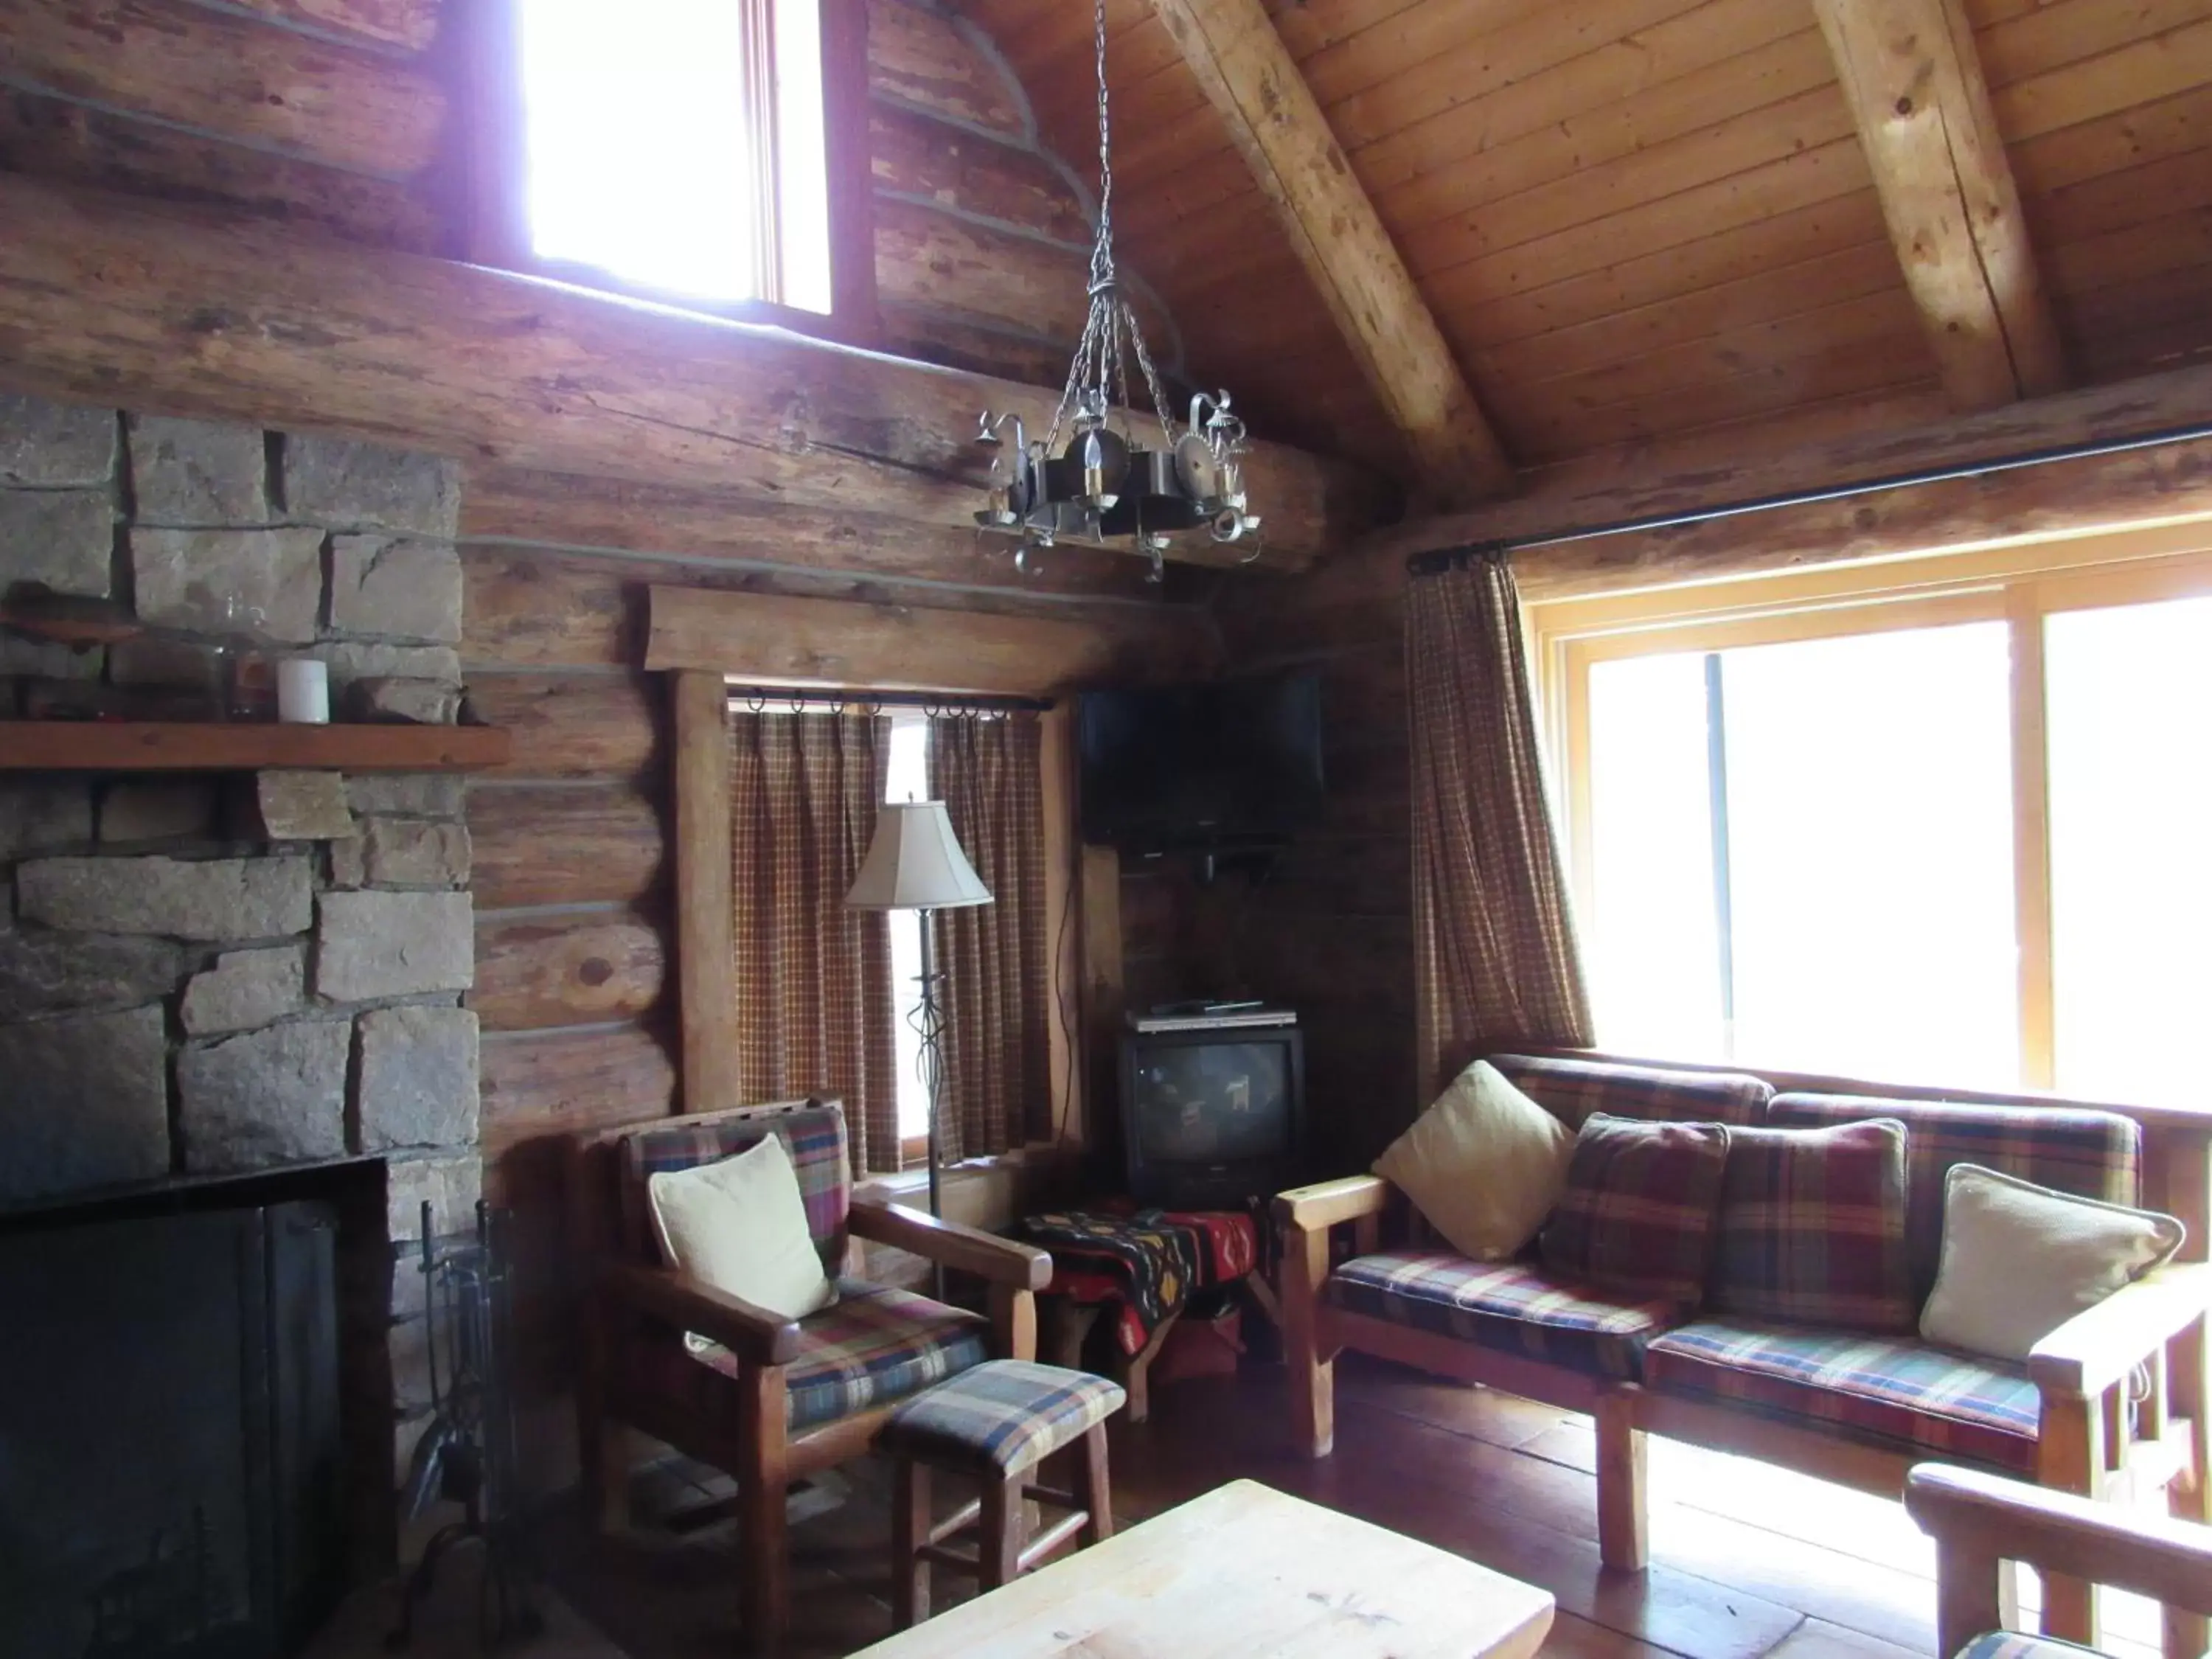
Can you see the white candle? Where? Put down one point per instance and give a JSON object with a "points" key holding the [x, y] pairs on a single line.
{"points": [[303, 691]]}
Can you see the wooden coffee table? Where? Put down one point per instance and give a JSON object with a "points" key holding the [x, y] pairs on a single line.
{"points": [[1245, 1570]]}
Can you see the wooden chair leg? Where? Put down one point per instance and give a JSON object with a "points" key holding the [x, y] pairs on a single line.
{"points": [[1013, 1322], [1137, 1374], [607, 1468], [1623, 1507], [999, 1533], [1094, 1488], [909, 1534], [766, 1569], [1313, 1379], [2069, 1457]]}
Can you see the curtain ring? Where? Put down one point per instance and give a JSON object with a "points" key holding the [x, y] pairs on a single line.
{"points": [[837, 705], [797, 700], [756, 700]]}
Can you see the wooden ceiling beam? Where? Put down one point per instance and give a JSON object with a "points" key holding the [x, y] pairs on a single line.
{"points": [[1915, 87], [180, 310], [1249, 75]]}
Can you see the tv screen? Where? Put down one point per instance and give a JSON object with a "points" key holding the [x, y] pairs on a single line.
{"points": [[1212, 1118], [1227, 1103], [1200, 765]]}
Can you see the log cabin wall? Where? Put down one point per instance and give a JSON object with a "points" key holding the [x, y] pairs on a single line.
{"points": [[348, 117], [574, 867]]}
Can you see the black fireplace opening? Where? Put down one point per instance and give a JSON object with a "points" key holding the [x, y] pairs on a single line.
{"points": [[179, 1478]]}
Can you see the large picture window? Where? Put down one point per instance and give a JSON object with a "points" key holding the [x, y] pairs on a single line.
{"points": [[1940, 823]]}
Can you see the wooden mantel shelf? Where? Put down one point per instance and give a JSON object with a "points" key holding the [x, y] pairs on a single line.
{"points": [[148, 746]]}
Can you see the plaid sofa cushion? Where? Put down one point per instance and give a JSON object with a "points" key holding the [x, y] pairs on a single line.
{"points": [[1571, 1090], [1812, 1228], [813, 1134], [1005, 1414], [1638, 1212], [1514, 1307], [1880, 1391], [2071, 1149], [875, 1344]]}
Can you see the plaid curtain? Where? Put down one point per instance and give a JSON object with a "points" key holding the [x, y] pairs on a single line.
{"points": [[1495, 962], [814, 979], [998, 1083]]}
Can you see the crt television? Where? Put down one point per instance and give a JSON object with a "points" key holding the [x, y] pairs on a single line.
{"points": [[1212, 1118], [1200, 766]]}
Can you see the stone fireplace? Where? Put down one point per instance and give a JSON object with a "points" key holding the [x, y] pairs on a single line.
{"points": [[258, 980]]}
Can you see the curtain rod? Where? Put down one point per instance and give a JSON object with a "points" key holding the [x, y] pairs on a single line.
{"points": [[769, 699], [1428, 564]]}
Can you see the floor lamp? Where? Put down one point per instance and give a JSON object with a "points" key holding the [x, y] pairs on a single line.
{"points": [[914, 863]]}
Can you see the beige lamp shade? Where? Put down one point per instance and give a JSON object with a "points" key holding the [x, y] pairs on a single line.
{"points": [[914, 863]]}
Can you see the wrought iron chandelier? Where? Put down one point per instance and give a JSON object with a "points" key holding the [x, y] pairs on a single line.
{"points": [[1103, 484]]}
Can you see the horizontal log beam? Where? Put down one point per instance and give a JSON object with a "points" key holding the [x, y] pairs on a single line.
{"points": [[2132, 408], [218, 72], [184, 312], [887, 647]]}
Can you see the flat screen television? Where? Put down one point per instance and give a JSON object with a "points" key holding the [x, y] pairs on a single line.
{"points": [[1212, 1118], [1220, 764]]}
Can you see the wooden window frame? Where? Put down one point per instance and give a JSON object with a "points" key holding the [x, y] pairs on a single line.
{"points": [[496, 230], [2020, 585]]}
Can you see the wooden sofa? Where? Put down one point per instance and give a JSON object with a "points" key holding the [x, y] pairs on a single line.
{"points": [[2111, 1404]]}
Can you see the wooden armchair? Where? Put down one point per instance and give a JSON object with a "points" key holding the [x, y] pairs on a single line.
{"points": [[1983, 1524], [774, 1399]]}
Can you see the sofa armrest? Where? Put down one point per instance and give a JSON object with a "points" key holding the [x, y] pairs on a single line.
{"points": [[1977, 1516], [2101, 1345], [1325, 1203], [753, 1333], [949, 1244]]}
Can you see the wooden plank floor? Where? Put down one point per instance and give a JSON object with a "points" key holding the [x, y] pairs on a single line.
{"points": [[1748, 1561]]}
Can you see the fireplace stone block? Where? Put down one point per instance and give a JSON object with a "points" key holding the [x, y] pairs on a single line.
{"points": [[418, 1078], [373, 946], [213, 899], [86, 1104], [269, 1097]]}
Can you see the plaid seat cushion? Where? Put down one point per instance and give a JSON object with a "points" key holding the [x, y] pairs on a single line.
{"points": [[1812, 1228], [813, 1135], [1898, 1394], [1006, 1414], [873, 1346], [2070, 1149], [1514, 1307], [1638, 1209], [1571, 1090]]}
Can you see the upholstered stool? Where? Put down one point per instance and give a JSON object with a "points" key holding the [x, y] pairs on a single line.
{"points": [[994, 1422]]}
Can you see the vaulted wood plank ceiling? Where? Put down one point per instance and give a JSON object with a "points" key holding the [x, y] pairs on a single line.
{"points": [[1642, 223]]}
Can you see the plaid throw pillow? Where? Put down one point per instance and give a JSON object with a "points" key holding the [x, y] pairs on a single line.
{"points": [[1812, 1228], [1638, 1211]]}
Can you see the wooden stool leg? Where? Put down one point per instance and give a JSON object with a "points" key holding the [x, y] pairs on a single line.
{"points": [[909, 1533], [1093, 1488], [999, 1533]]}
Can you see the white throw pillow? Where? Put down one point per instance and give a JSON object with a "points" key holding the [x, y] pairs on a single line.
{"points": [[740, 1226], [1485, 1164], [2019, 1260]]}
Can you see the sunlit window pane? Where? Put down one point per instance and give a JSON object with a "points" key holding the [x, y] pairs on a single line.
{"points": [[635, 126], [1870, 837], [1653, 948], [802, 156], [2129, 715], [1866, 922]]}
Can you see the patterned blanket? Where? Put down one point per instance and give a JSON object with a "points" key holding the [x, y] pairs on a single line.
{"points": [[1149, 1262]]}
